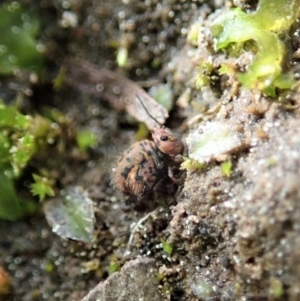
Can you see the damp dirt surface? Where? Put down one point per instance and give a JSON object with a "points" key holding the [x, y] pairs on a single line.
{"points": [[215, 237]]}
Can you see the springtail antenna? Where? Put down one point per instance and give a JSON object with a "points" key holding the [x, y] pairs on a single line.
{"points": [[147, 110]]}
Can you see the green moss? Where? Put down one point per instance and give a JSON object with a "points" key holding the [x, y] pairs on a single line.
{"points": [[193, 32], [114, 265], [86, 139], [42, 187], [268, 26], [49, 267], [23, 138], [191, 164], [276, 289], [18, 47], [10, 205], [160, 277], [203, 78], [226, 168]]}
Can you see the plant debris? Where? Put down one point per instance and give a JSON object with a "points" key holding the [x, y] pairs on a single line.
{"points": [[119, 91]]}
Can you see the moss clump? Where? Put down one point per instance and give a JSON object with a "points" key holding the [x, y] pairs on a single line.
{"points": [[204, 76], [23, 138], [268, 26], [18, 47]]}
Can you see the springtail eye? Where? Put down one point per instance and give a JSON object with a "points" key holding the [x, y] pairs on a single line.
{"points": [[164, 138]]}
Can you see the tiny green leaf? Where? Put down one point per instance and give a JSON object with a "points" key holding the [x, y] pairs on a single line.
{"points": [[122, 57], [86, 139], [113, 267], [167, 247], [59, 80], [226, 168], [191, 164]]}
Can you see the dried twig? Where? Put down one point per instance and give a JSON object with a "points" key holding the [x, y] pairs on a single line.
{"points": [[119, 91]]}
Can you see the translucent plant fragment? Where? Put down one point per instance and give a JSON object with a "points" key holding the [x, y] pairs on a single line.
{"points": [[163, 95], [214, 141], [202, 288], [268, 26], [71, 215]]}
